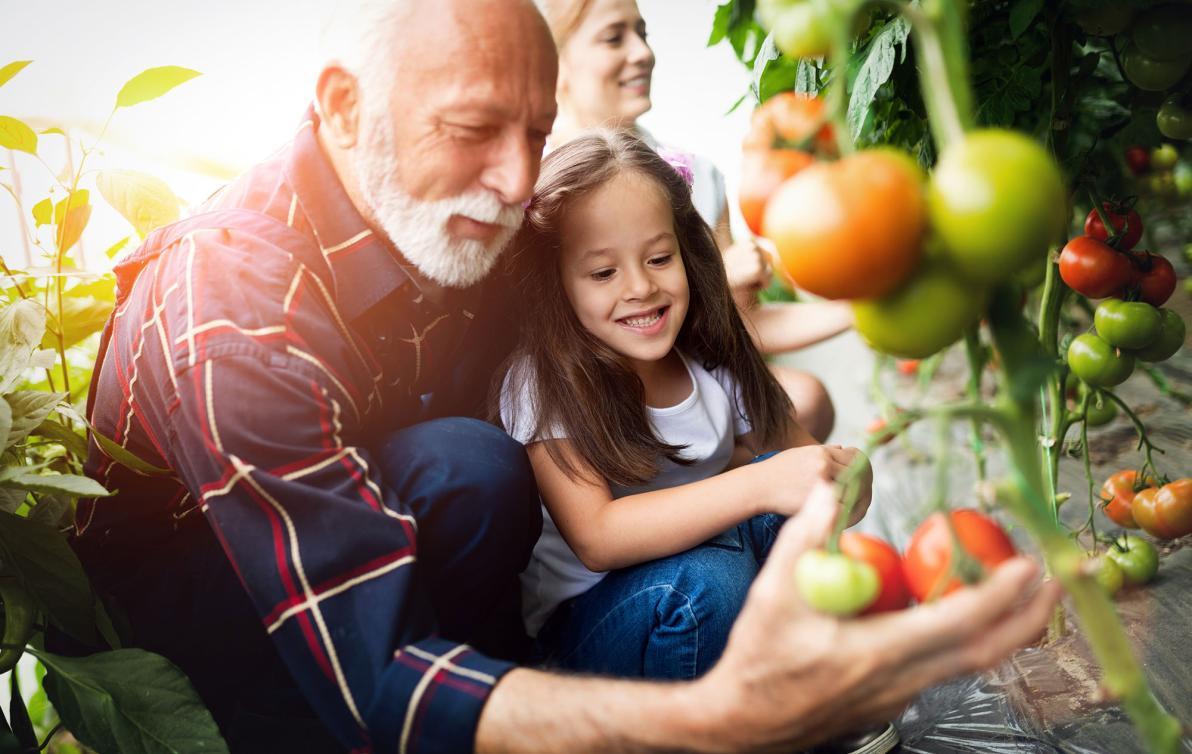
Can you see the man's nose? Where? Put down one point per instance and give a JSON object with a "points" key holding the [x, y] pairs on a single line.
{"points": [[513, 169]]}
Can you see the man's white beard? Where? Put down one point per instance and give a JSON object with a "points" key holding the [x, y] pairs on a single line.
{"points": [[419, 228]]}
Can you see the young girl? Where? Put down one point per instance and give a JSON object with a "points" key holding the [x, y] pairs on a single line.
{"points": [[642, 399]]}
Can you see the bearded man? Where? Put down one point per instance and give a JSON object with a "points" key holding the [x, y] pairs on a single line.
{"points": [[332, 552]]}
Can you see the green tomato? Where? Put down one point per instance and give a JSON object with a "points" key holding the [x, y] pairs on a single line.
{"points": [[1137, 558], [1162, 184], [1162, 32], [927, 313], [1182, 175], [1109, 19], [1150, 74], [1097, 363], [1170, 339], [1127, 324], [1174, 120], [1108, 574], [799, 30], [1101, 411], [1164, 156], [997, 201], [834, 583]]}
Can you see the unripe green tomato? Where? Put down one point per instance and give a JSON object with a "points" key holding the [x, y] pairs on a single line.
{"points": [[1170, 339], [1101, 411], [1164, 156], [1108, 574], [1097, 363], [835, 584], [1109, 19], [1162, 184], [997, 201], [798, 29], [1127, 324], [1182, 175], [1173, 119], [1162, 32], [1153, 75], [1138, 559], [927, 313]]}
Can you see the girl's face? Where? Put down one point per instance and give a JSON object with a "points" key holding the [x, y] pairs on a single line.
{"points": [[605, 66], [621, 267]]}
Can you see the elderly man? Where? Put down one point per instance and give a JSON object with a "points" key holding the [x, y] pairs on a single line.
{"points": [[331, 536]]}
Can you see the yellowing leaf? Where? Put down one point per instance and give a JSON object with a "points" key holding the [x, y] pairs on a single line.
{"points": [[152, 83], [80, 198], [12, 69], [145, 201], [54, 130], [14, 134], [43, 212]]}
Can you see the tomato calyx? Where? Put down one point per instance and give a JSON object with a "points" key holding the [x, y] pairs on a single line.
{"points": [[1118, 216]]}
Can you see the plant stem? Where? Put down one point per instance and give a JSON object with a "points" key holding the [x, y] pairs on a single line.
{"points": [[1054, 292], [976, 360]]}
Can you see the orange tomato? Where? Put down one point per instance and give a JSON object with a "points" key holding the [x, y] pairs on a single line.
{"points": [[852, 228], [1165, 512], [1118, 495], [791, 121], [762, 172]]}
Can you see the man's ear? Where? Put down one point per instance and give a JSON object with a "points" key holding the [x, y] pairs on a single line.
{"points": [[338, 95]]}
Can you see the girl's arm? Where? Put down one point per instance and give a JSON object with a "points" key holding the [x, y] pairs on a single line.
{"points": [[606, 534]]}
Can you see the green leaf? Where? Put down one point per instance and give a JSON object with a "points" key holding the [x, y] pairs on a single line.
{"points": [[65, 484], [875, 71], [22, 326], [71, 216], [12, 69], [720, 23], [1022, 12], [50, 570], [43, 212], [117, 247], [83, 316], [124, 456], [14, 134], [50, 510], [12, 500], [29, 409], [152, 83], [805, 79], [5, 421], [65, 436], [129, 701], [18, 713], [145, 201], [9, 743]]}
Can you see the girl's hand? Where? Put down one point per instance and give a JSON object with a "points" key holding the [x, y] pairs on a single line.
{"points": [[787, 478], [748, 268]]}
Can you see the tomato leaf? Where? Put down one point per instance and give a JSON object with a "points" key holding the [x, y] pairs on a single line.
{"points": [[1022, 12], [12, 69], [129, 700], [875, 71], [14, 134], [152, 83], [145, 201]]}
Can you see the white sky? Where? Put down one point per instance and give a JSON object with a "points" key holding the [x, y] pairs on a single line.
{"points": [[259, 60]]}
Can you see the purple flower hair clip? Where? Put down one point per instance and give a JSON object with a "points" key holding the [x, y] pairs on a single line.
{"points": [[681, 161]]}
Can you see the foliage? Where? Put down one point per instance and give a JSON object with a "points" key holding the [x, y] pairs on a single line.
{"points": [[120, 699]]}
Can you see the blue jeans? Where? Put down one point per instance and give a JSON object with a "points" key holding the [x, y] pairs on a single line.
{"points": [[667, 618]]}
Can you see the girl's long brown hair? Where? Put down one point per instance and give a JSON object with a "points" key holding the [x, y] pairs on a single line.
{"points": [[581, 389]]}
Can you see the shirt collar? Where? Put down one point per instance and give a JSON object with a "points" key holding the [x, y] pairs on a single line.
{"points": [[364, 266]]}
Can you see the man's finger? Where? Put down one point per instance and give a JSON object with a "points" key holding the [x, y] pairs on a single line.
{"points": [[808, 529]]}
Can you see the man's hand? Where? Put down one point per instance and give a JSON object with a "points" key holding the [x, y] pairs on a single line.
{"points": [[791, 677]]}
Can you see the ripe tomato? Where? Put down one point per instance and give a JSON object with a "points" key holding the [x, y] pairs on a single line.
{"points": [[1137, 558], [928, 558], [835, 584], [1165, 512], [908, 366], [1170, 340], [1138, 160], [1156, 278], [877, 429], [1118, 495], [997, 201], [791, 121], [1128, 324], [1119, 219], [893, 593], [1093, 269], [852, 228], [763, 171], [1150, 74], [1174, 120], [1097, 363]]}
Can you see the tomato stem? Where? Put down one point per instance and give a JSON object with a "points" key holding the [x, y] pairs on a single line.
{"points": [[976, 359]]}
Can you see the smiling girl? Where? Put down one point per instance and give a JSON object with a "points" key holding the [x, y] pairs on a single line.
{"points": [[641, 400]]}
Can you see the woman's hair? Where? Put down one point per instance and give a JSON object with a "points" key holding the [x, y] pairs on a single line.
{"points": [[580, 388], [563, 17]]}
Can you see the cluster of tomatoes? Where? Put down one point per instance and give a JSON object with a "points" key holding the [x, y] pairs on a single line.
{"points": [[1161, 172], [1129, 323], [869, 576], [1133, 502], [917, 256]]}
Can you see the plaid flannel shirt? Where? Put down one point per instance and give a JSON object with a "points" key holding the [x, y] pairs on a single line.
{"points": [[259, 381]]}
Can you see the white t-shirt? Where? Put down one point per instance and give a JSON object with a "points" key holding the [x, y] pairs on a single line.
{"points": [[706, 421]]}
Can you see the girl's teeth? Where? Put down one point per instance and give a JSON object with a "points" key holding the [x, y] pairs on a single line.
{"points": [[642, 321]]}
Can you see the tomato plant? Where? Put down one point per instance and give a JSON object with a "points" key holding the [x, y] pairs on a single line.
{"points": [[1127, 324], [1165, 512], [928, 562], [1137, 558], [893, 594], [834, 583], [852, 228], [1092, 268], [1121, 219], [1097, 363]]}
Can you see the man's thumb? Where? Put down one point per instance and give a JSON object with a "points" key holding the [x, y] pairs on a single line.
{"points": [[805, 531]]}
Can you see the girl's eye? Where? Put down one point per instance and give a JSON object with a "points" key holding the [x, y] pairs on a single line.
{"points": [[599, 275], [661, 260]]}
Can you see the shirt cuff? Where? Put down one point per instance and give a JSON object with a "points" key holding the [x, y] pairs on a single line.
{"points": [[429, 699]]}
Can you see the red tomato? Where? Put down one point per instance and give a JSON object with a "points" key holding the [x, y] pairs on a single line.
{"points": [[908, 366], [877, 429], [1156, 278], [763, 171], [794, 121], [928, 558], [1118, 495], [1090, 267], [1119, 219], [894, 594], [1165, 512], [1138, 159]]}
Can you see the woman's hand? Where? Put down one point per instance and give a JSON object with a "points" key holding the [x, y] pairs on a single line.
{"points": [[785, 480]]}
